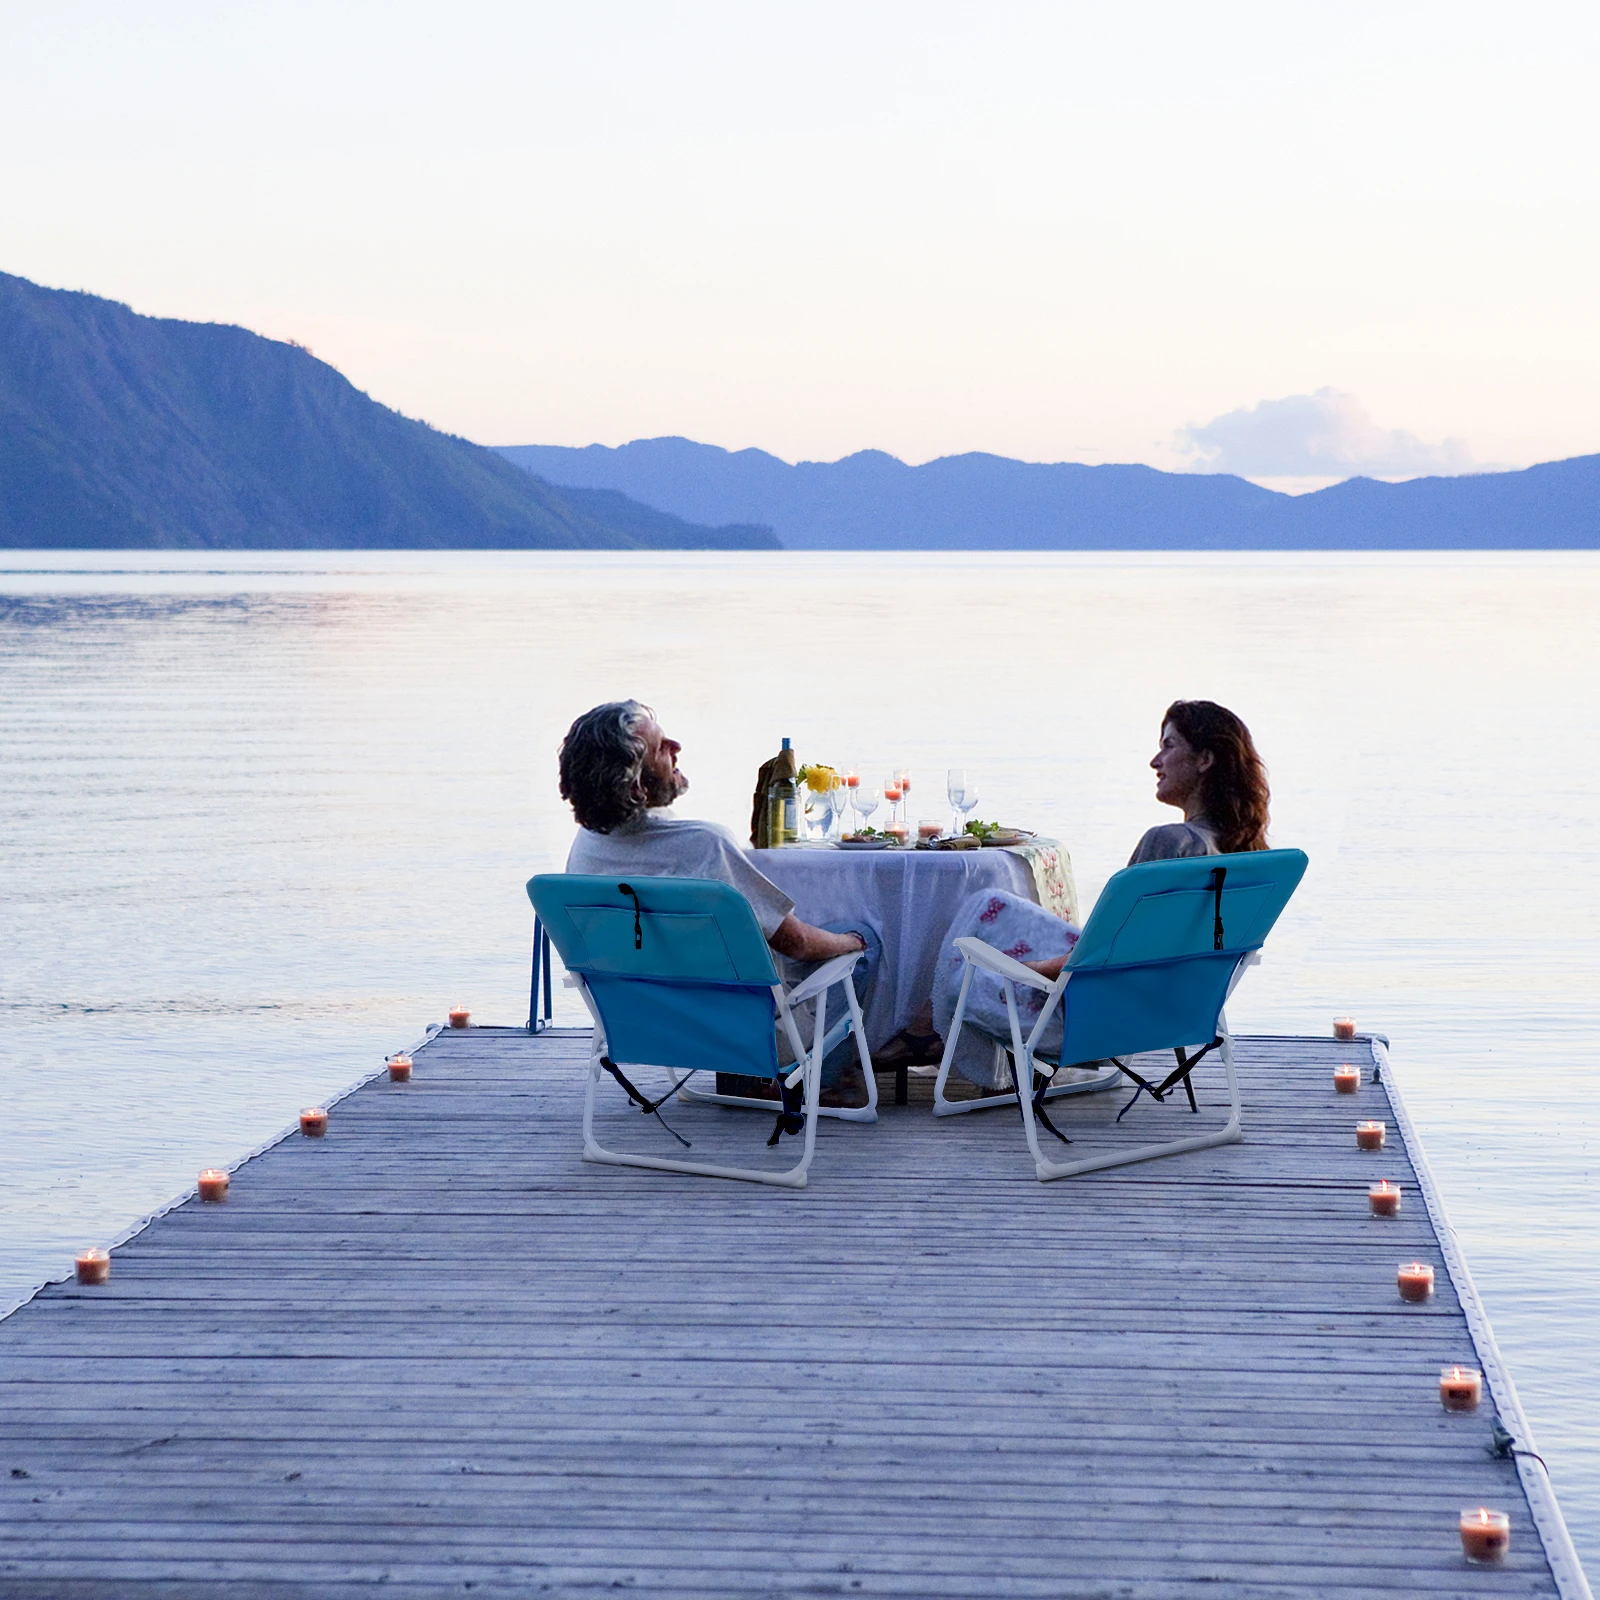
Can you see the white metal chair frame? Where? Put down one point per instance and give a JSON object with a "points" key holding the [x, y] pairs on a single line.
{"points": [[975, 954], [807, 1071], [828, 974]]}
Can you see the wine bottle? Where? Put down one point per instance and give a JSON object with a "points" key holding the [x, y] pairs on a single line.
{"points": [[783, 800]]}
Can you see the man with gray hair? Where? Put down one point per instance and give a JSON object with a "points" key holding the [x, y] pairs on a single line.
{"points": [[619, 772]]}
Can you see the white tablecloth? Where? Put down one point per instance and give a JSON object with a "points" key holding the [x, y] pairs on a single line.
{"points": [[910, 897]]}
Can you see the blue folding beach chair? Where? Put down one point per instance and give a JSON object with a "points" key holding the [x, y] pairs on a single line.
{"points": [[676, 974], [1163, 949]]}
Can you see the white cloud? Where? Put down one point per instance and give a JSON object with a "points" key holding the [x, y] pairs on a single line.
{"points": [[1326, 435]]}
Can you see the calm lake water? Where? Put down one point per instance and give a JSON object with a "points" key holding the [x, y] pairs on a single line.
{"points": [[264, 817]]}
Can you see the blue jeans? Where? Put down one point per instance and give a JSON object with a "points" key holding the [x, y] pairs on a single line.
{"points": [[864, 976], [843, 1053]]}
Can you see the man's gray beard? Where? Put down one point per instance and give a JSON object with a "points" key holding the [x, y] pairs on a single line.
{"points": [[659, 791]]}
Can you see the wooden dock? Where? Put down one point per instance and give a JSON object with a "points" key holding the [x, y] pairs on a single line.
{"points": [[435, 1353]]}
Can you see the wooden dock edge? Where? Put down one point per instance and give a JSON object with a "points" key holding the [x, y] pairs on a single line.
{"points": [[1547, 1518], [135, 1228]]}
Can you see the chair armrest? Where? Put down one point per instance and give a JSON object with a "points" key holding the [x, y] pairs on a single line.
{"points": [[828, 974], [1001, 965]]}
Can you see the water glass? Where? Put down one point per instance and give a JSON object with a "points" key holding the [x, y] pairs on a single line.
{"points": [[962, 793], [839, 802]]}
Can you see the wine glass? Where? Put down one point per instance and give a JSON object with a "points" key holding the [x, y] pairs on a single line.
{"points": [[866, 802], [891, 793], [963, 796], [851, 778], [839, 801]]}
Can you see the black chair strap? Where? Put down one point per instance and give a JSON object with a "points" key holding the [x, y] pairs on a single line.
{"points": [[791, 1119], [650, 1108], [1217, 875], [1180, 1074], [1042, 1083], [638, 931]]}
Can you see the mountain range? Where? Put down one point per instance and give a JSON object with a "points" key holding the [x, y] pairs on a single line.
{"points": [[872, 501], [125, 431]]}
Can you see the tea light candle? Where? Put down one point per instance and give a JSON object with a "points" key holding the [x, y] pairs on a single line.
{"points": [[459, 1016], [213, 1184], [400, 1069], [898, 832], [94, 1266], [1460, 1388], [852, 780], [313, 1122], [891, 793], [1344, 1028], [1416, 1281], [1384, 1198], [1485, 1534], [1347, 1078], [929, 830], [1370, 1135]]}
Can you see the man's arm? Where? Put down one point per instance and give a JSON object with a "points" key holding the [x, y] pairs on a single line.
{"points": [[801, 942]]}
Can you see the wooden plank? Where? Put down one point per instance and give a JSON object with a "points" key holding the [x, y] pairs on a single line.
{"points": [[437, 1350]]}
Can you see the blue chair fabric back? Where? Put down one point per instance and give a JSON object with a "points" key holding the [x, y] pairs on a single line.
{"points": [[678, 969], [1146, 972]]}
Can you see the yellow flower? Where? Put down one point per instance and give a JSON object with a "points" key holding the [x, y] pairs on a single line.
{"points": [[820, 779]]}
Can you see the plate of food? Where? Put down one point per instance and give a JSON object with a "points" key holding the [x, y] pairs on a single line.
{"points": [[867, 839], [996, 835]]}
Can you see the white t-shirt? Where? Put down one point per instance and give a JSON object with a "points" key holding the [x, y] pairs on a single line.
{"points": [[660, 845]]}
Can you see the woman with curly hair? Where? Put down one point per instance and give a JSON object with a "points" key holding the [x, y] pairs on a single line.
{"points": [[1206, 766]]}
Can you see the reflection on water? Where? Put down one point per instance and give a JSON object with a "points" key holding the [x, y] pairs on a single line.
{"points": [[262, 818]]}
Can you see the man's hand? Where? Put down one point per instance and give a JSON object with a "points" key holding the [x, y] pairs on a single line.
{"points": [[801, 942]]}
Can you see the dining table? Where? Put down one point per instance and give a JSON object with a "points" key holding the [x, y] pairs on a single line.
{"points": [[910, 897]]}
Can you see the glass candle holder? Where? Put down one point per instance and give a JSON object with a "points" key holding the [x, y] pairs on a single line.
{"points": [[1415, 1280], [313, 1122], [1485, 1534], [1346, 1078], [459, 1016], [928, 830], [1384, 1198], [213, 1184], [1460, 1388], [1344, 1028], [399, 1069], [1370, 1135], [92, 1266]]}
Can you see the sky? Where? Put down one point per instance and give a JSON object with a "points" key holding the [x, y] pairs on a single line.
{"points": [[1297, 242]]}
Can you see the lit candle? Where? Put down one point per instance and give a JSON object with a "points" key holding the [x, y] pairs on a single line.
{"points": [[1485, 1534], [313, 1122], [1416, 1281], [929, 830], [1344, 1028], [1347, 1078], [94, 1266], [1370, 1135], [898, 832], [1460, 1388], [1384, 1198], [400, 1069], [213, 1184], [852, 780], [891, 793], [459, 1016]]}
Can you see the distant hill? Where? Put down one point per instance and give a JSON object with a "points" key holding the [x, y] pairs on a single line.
{"points": [[124, 431], [871, 501]]}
